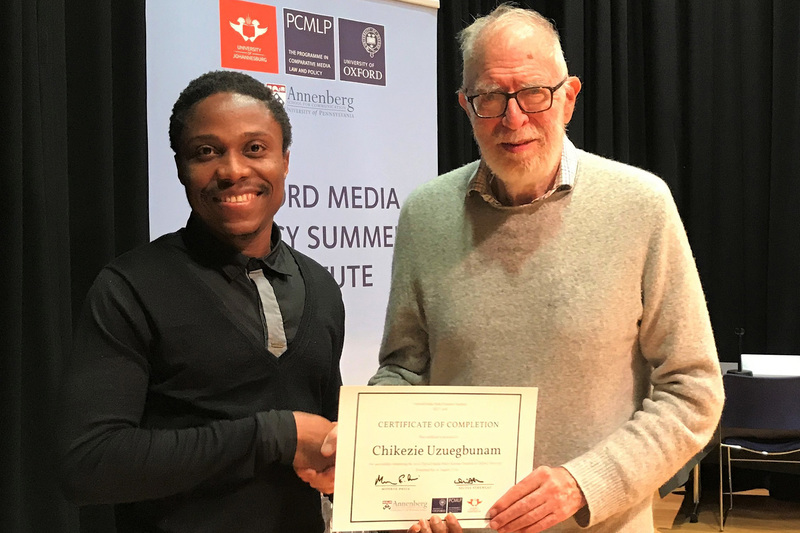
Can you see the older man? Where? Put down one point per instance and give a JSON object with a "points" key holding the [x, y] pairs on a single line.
{"points": [[205, 372], [543, 265]]}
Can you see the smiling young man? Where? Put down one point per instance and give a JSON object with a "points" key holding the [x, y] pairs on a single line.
{"points": [[205, 370], [543, 265]]}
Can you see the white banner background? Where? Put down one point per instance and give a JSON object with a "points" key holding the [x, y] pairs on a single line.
{"points": [[376, 153]]}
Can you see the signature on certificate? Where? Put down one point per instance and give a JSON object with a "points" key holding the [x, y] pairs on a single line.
{"points": [[402, 478], [468, 481]]}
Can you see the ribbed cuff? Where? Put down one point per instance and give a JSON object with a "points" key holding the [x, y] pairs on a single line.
{"points": [[277, 437]]}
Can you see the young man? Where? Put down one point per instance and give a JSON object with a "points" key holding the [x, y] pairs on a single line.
{"points": [[205, 372]]}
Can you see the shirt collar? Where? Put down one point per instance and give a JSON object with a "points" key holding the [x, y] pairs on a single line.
{"points": [[210, 251], [481, 182]]}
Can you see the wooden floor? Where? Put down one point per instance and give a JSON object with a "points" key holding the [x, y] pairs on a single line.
{"points": [[753, 511]]}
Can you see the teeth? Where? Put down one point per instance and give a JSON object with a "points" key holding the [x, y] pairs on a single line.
{"points": [[239, 198]]}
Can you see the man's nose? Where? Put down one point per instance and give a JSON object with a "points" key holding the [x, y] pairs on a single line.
{"points": [[233, 167], [515, 117]]}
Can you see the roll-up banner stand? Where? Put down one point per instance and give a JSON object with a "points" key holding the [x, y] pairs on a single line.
{"points": [[358, 79]]}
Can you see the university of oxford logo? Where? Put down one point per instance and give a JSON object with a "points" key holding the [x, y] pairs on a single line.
{"points": [[371, 40]]}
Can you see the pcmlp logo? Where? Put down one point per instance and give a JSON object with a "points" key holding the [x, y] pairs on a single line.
{"points": [[446, 505], [249, 29]]}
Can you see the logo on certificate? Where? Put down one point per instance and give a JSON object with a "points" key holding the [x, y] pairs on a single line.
{"points": [[447, 505], [439, 505], [387, 505], [474, 504]]}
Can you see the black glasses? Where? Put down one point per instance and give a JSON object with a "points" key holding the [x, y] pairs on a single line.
{"points": [[529, 100]]}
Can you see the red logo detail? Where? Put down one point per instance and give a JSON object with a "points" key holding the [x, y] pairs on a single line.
{"points": [[247, 35], [278, 90]]}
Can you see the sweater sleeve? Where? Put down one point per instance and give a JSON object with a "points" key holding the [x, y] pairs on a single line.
{"points": [[404, 357], [107, 457], [680, 414]]}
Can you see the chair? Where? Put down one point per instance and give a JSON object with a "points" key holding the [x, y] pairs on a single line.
{"points": [[761, 422], [691, 470]]}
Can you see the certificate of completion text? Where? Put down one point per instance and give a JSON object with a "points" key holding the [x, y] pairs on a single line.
{"points": [[406, 453]]}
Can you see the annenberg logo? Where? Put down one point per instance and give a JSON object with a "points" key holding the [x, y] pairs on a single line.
{"points": [[412, 505], [278, 91], [325, 103]]}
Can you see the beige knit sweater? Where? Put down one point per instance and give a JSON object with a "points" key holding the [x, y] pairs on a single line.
{"points": [[591, 295]]}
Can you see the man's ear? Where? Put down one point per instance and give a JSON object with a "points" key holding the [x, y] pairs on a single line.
{"points": [[179, 168], [571, 88], [462, 101]]}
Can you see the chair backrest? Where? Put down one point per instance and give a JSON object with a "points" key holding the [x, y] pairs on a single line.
{"points": [[761, 403]]}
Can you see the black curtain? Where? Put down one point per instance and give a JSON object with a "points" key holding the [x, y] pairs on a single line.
{"points": [[75, 162], [705, 94]]}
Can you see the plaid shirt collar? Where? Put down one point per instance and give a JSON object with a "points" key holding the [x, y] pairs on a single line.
{"points": [[481, 181]]}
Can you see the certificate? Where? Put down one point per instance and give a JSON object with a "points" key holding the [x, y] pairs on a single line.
{"points": [[405, 453]]}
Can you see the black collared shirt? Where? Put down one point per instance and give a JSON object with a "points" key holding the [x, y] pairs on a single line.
{"points": [[175, 412], [234, 288]]}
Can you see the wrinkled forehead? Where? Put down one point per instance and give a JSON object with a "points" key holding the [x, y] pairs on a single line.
{"points": [[514, 49]]}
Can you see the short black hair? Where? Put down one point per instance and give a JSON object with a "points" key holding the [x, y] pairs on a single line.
{"points": [[225, 81]]}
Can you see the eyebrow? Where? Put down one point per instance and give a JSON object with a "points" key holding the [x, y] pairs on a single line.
{"points": [[213, 137], [493, 88]]}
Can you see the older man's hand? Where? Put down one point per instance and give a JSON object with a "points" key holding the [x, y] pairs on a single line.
{"points": [[546, 497], [437, 525]]}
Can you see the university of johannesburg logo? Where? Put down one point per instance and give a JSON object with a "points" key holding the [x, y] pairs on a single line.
{"points": [[474, 504], [371, 40], [247, 36], [248, 28]]}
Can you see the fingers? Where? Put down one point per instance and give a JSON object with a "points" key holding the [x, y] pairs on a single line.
{"points": [[452, 524], [311, 433], [437, 525], [329, 444], [321, 481], [418, 527], [306, 474], [546, 497], [528, 485]]}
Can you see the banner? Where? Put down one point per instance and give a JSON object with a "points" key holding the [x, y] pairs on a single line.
{"points": [[358, 79]]}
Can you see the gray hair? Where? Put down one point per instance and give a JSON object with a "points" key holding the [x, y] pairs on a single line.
{"points": [[504, 15]]}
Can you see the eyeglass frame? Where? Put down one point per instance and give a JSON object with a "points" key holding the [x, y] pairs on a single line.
{"points": [[513, 95]]}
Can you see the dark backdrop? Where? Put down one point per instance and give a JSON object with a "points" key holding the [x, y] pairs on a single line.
{"points": [[705, 94]]}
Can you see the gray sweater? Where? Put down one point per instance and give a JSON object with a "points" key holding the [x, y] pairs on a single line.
{"points": [[591, 295]]}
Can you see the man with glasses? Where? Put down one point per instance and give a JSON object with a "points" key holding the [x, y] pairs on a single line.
{"points": [[543, 265]]}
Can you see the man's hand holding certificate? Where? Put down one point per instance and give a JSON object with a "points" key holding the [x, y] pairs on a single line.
{"points": [[406, 453]]}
